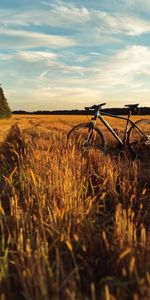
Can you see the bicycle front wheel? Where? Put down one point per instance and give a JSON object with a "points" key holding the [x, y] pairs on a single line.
{"points": [[85, 137], [139, 138]]}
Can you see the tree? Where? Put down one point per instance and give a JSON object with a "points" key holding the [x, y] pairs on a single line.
{"points": [[5, 111]]}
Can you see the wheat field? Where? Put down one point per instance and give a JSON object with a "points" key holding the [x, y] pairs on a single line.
{"points": [[72, 226]]}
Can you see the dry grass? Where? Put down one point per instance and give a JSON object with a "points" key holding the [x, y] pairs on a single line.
{"points": [[72, 227]]}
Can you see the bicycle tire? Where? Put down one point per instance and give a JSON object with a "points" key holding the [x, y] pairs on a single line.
{"points": [[85, 137], [138, 143]]}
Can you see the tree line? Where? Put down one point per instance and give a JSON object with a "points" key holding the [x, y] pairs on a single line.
{"points": [[115, 111]]}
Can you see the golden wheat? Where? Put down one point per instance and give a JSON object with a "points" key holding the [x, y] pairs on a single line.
{"points": [[71, 226]]}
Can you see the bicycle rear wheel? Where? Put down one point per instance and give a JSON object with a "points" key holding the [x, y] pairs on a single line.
{"points": [[139, 139], [85, 137]]}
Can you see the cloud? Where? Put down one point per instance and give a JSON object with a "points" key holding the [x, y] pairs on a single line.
{"points": [[79, 18], [126, 67], [36, 56], [4, 56], [54, 98], [122, 24], [30, 56], [140, 5], [60, 53], [28, 39], [53, 82], [60, 14]]}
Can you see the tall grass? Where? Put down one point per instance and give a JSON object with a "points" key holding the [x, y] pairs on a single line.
{"points": [[71, 226]]}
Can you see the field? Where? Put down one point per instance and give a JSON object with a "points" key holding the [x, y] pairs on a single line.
{"points": [[72, 226]]}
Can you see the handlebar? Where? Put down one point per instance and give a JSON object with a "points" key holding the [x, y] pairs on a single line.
{"points": [[95, 107]]}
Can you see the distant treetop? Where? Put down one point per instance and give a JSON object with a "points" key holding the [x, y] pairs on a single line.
{"points": [[5, 111]]}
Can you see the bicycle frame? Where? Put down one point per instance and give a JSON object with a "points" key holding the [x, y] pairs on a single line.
{"points": [[99, 115]]}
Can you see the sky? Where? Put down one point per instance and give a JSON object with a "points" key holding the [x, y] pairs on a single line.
{"points": [[70, 54]]}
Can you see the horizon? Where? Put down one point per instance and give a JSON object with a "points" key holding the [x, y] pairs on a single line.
{"points": [[78, 110], [60, 55]]}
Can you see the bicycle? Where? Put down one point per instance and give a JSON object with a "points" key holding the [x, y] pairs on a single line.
{"points": [[87, 136]]}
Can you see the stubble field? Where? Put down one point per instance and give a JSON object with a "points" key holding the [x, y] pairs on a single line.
{"points": [[72, 226]]}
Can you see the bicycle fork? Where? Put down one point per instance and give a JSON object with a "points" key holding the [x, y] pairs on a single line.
{"points": [[90, 135], [126, 129]]}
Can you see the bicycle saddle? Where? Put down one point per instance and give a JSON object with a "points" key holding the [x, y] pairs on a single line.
{"points": [[131, 105]]}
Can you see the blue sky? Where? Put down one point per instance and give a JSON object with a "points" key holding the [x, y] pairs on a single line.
{"points": [[70, 54]]}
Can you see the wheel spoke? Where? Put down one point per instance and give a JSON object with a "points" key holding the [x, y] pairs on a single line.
{"points": [[86, 138], [139, 139]]}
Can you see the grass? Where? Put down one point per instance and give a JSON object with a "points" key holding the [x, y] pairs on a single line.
{"points": [[72, 227]]}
